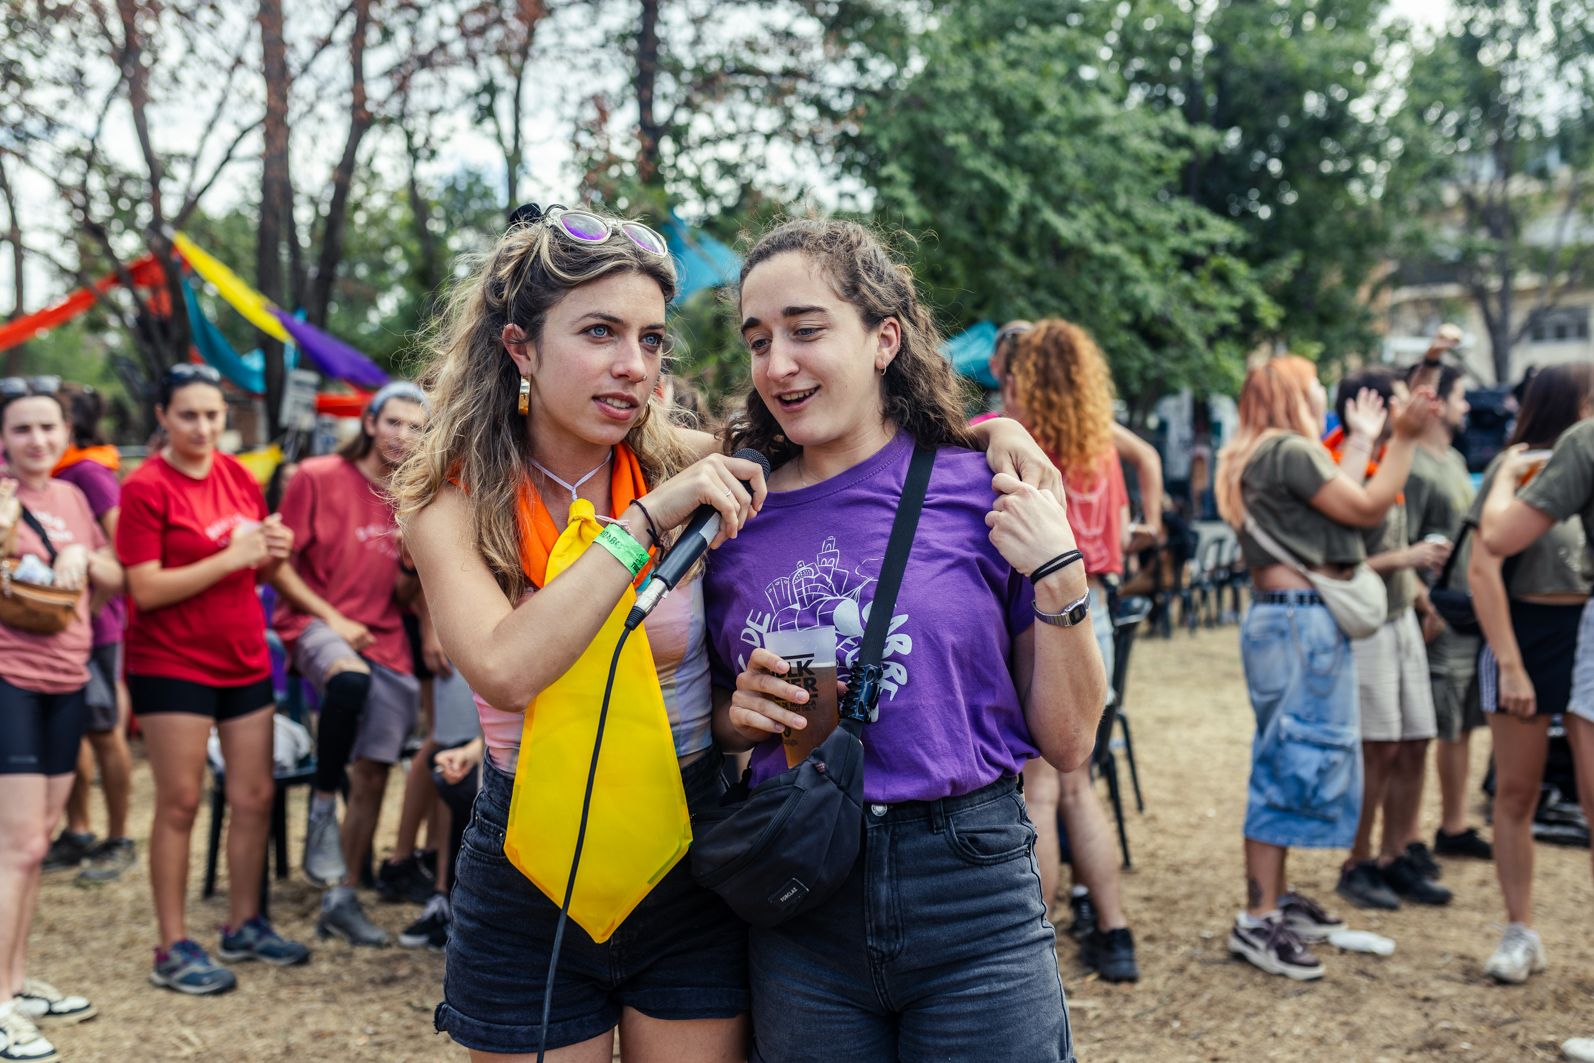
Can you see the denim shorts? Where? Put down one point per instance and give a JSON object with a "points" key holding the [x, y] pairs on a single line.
{"points": [[681, 954], [1306, 764], [936, 947]]}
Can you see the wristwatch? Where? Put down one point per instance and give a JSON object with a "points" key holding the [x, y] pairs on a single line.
{"points": [[1071, 614]]}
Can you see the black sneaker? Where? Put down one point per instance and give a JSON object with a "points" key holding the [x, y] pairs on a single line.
{"points": [[1274, 948], [1419, 854], [431, 929], [107, 861], [1111, 954], [1467, 843], [1084, 916], [1406, 879], [68, 851], [1363, 885], [1307, 918], [405, 880]]}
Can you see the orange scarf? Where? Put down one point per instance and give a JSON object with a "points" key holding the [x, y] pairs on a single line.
{"points": [[107, 456], [1335, 442], [538, 532]]}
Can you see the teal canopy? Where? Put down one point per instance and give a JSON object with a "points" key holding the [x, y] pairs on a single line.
{"points": [[970, 352], [701, 260]]}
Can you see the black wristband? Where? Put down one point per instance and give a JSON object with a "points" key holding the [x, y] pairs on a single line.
{"points": [[652, 529], [1056, 564]]}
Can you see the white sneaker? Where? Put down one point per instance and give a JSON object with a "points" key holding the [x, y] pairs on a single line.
{"points": [[1579, 1050], [42, 1002], [19, 1038], [323, 848], [1519, 955]]}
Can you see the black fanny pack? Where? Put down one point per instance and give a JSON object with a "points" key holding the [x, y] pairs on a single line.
{"points": [[781, 849]]}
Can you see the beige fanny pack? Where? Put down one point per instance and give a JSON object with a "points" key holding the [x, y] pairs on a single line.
{"points": [[1359, 604]]}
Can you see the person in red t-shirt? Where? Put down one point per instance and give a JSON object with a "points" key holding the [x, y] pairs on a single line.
{"points": [[1057, 384], [195, 537], [340, 618], [48, 526]]}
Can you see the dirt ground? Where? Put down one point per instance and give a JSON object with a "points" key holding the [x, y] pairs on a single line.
{"points": [[1192, 731]]}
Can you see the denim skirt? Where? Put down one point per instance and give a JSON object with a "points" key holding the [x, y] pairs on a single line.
{"points": [[1306, 763]]}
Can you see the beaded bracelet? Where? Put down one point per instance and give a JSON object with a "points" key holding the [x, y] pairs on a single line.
{"points": [[625, 549]]}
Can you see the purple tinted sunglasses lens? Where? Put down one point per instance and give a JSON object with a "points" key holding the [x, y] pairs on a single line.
{"points": [[645, 238], [588, 228]]}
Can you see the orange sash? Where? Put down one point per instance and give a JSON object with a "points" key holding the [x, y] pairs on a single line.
{"points": [[1335, 442], [539, 532], [107, 456]]}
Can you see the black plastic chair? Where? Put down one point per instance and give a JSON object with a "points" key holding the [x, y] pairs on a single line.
{"points": [[1128, 615]]}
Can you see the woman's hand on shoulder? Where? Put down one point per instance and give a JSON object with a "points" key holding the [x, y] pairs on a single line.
{"points": [[714, 480], [1029, 525], [1011, 449]]}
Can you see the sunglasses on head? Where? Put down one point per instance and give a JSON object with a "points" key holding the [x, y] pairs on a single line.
{"points": [[189, 372], [15, 387], [583, 226]]}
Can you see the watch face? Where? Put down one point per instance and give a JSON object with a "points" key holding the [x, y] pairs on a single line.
{"points": [[1079, 612]]}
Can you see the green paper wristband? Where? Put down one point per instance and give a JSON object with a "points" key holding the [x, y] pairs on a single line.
{"points": [[625, 549]]}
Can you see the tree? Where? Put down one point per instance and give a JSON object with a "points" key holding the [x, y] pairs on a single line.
{"points": [[1497, 152], [1294, 95], [1042, 189]]}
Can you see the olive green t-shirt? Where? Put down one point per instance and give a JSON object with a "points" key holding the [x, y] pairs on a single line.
{"points": [[1387, 537], [1438, 493], [1558, 561], [1285, 472]]}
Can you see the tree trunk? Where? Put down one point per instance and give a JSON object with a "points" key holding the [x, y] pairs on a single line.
{"points": [[275, 196], [19, 301], [331, 242], [649, 131]]}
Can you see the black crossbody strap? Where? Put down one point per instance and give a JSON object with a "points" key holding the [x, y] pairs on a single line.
{"points": [[38, 529], [863, 687], [1455, 552]]}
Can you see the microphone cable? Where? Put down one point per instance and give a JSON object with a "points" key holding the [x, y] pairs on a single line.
{"points": [[581, 838]]}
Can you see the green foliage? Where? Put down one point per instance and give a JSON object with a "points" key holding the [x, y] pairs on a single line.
{"points": [[1043, 189], [1292, 94]]}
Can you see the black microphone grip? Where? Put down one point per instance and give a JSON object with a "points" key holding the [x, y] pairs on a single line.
{"points": [[683, 554]]}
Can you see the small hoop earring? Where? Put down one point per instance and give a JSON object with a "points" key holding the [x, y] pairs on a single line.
{"points": [[884, 368], [524, 405]]}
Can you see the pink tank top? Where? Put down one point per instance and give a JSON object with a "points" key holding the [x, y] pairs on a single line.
{"points": [[676, 635]]}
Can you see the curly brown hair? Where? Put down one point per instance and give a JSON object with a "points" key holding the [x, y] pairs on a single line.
{"points": [[1059, 382], [920, 393]]}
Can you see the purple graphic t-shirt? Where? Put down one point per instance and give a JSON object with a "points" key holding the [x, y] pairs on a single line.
{"points": [[950, 718]]}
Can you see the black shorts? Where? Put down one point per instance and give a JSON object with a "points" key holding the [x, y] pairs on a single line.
{"points": [[40, 733], [158, 693], [105, 669]]}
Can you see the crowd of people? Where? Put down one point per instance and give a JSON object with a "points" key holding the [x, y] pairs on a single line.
{"points": [[449, 586]]}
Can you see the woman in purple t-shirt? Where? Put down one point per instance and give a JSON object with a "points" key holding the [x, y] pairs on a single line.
{"points": [[937, 944]]}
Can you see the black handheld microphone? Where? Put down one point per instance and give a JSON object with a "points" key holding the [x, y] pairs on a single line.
{"points": [[679, 559]]}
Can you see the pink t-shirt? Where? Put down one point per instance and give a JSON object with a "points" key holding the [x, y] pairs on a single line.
{"points": [[346, 548], [1096, 503], [52, 664], [676, 635]]}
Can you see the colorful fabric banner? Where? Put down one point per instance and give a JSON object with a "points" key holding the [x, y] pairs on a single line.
{"points": [[255, 307], [216, 351], [331, 355], [146, 273]]}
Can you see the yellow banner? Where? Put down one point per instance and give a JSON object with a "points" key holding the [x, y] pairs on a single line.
{"points": [[255, 307]]}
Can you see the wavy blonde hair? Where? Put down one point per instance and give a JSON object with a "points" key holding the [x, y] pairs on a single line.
{"points": [[1063, 388], [1275, 398], [920, 393], [475, 435]]}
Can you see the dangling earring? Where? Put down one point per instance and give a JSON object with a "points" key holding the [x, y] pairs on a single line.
{"points": [[884, 368], [524, 405]]}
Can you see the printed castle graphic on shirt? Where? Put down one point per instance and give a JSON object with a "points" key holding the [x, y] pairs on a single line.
{"points": [[824, 592]]}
